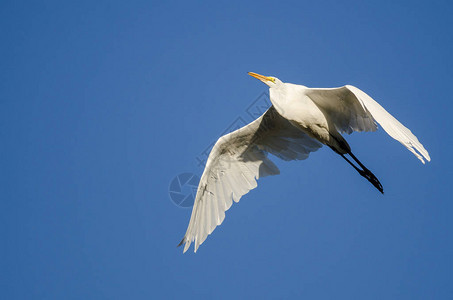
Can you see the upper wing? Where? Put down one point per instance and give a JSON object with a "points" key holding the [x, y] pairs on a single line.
{"points": [[234, 164], [351, 109]]}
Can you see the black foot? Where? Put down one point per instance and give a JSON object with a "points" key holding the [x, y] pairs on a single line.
{"points": [[371, 178]]}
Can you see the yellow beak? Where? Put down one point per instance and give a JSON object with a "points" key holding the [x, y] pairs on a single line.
{"points": [[260, 77]]}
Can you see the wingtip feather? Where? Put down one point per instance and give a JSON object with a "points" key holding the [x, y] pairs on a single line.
{"points": [[186, 246]]}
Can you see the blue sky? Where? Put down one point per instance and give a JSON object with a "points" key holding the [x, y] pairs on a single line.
{"points": [[103, 103]]}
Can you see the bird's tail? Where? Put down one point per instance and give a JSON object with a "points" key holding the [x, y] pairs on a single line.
{"points": [[364, 172]]}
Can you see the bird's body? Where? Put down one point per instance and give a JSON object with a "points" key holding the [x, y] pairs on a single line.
{"points": [[299, 121], [292, 102]]}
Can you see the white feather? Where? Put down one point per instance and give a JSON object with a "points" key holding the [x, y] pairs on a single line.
{"points": [[236, 161]]}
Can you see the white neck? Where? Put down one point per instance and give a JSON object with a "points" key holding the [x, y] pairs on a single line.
{"points": [[278, 96]]}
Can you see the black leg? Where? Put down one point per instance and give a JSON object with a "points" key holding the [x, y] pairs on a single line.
{"points": [[364, 172]]}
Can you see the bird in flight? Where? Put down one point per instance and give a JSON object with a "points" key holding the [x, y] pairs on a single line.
{"points": [[300, 121]]}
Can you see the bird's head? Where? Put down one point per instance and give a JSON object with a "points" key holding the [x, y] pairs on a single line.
{"points": [[269, 80]]}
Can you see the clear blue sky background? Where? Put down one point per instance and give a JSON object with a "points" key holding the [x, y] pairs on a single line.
{"points": [[103, 103]]}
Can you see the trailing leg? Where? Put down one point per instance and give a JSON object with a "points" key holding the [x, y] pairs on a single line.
{"points": [[364, 172]]}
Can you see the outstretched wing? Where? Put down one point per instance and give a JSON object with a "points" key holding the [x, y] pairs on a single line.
{"points": [[234, 164], [351, 109]]}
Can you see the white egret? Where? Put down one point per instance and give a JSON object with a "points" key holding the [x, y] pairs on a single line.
{"points": [[299, 121]]}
